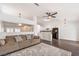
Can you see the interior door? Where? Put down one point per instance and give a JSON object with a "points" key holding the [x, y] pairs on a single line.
{"points": [[55, 33]]}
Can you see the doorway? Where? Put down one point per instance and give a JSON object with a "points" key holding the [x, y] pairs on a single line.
{"points": [[55, 33]]}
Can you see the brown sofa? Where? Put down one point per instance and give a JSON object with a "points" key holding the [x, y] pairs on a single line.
{"points": [[11, 45]]}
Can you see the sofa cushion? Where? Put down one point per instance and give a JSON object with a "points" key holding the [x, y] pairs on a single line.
{"points": [[2, 42], [18, 38], [24, 37], [23, 44]]}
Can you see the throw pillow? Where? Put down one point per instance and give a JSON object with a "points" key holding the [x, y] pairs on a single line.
{"points": [[18, 39], [2, 42], [29, 36]]}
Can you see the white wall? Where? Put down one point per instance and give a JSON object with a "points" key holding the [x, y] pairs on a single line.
{"points": [[0, 26], [2, 34], [36, 26], [77, 30], [67, 31]]}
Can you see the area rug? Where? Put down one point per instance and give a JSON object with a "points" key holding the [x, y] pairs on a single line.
{"points": [[41, 49]]}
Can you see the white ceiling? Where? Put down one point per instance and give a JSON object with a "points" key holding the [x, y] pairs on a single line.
{"points": [[28, 10]]}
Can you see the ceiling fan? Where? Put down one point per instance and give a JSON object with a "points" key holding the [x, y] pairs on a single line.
{"points": [[50, 15]]}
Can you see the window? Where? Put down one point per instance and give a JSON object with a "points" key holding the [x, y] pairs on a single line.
{"points": [[17, 30], [9, 29]]}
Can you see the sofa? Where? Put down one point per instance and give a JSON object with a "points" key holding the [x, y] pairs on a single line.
{"points": [[12, 45]]}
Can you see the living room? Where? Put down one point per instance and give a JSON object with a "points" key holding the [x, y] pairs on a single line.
{"points": [[35, 29]]}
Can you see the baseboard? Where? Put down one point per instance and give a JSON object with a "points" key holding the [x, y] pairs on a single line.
{"points": [[69, 40]]}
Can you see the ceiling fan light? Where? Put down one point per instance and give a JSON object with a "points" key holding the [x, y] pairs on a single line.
{"points": [[49, 17]]}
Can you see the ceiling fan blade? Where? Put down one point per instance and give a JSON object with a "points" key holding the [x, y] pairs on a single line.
{"points": [[55, 13], [53, 16], [48, 13], [36, 4]]}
